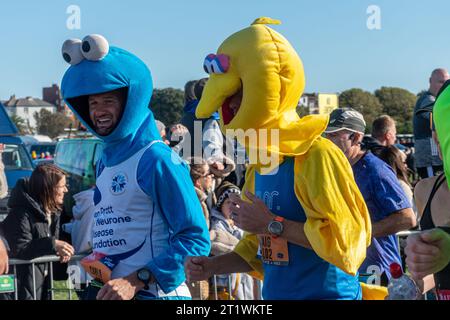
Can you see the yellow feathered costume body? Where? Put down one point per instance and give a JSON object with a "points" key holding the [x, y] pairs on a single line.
{"points": [[265, 69]]}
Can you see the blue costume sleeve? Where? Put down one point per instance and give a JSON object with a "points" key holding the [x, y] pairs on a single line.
{"points": [[165, 178]]}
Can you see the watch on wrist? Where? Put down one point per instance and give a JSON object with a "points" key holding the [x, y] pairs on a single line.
{"points": [[145, 276], [276, 227]]}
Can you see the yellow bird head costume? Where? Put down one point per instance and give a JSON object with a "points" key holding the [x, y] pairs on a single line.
{"points": [[258, 68], [256, 81]]}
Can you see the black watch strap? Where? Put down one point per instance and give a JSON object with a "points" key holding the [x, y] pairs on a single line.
{"points": [[145, 280]]}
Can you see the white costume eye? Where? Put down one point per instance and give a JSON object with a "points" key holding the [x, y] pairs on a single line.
{"points": [[71, 51], [94, 47]]}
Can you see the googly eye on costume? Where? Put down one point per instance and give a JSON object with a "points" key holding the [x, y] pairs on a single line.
{"points": [[94, 47], [221, 63], [216, 63], [207, 63], [71, 51]]}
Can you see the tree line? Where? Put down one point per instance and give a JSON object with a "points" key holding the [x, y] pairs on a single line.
{"points": [[395, 102], [167, 106]]}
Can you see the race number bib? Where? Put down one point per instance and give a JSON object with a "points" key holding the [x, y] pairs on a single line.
{"points": [[98, 266], [274, 250]]}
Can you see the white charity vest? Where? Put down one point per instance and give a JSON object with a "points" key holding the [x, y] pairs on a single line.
{"points": [[126, 220]]}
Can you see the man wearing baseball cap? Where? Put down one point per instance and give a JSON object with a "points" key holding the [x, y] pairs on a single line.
{"points": [[389, 208]]}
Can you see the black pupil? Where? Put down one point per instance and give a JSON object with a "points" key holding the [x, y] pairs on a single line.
{"points": [[86, 46], [67, 57]]}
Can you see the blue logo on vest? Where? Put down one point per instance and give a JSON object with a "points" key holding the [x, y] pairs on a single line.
{"points": [[119, 181]]}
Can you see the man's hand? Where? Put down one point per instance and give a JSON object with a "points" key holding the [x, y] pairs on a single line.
{"points": [[121, 288], [253, 217], [427, 253], [3, 259], [198, 268]]}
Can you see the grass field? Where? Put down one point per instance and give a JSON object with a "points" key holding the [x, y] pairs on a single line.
{"points": [[61, 291]]}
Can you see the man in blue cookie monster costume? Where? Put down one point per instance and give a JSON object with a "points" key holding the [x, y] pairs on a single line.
{"points": [[307, 224], [147, 215]]}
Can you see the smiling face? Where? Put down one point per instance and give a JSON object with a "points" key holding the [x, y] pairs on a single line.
{"points": [[105, 111], [60, 191], [120, 71]]}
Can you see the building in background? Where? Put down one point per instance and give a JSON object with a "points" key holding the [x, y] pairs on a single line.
{"points": [[319, 103], [309, 101], [53, 95], [25, 108], [327, 103]]}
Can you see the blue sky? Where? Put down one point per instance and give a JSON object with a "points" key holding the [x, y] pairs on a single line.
{"points": [[174, 36]]}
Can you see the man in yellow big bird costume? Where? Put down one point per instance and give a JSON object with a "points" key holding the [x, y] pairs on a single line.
{"points": [[309, 236]]}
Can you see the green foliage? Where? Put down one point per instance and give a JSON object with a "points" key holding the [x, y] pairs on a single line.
{"points": [[167, 105], [399, 104], [62, 291], [364, 102], [51, 124], [20, 124], [396, 102]]}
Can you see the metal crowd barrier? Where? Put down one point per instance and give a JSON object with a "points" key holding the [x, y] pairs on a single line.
{"points": [[256, 292], [45, 259], [70, 285], [403, 235], [50, 259]]}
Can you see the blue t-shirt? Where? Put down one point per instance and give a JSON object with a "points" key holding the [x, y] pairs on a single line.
{"points": [[307, 276], [383, 195]]}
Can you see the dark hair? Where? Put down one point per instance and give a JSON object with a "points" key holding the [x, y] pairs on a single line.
{"points": [[189, 93], [381, 125], [197, 168], [42, 186], [393, 157], [199, 86]]}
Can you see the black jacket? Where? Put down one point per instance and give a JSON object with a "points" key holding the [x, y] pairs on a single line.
{"points": [[30, 236]]}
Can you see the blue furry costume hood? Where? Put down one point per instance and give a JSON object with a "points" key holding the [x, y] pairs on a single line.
{"points": [[118, 69]]}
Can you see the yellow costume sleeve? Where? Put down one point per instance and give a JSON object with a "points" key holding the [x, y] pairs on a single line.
{"points": [[338, 223], [373, 292], [247, 247]]}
